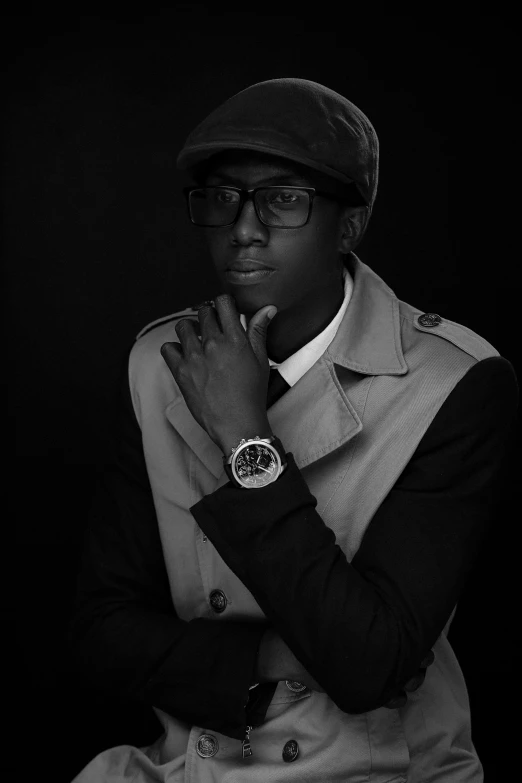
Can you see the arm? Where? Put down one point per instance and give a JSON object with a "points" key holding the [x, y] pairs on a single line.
{"points": [[276, 661], [361, 629], [125, 635]]}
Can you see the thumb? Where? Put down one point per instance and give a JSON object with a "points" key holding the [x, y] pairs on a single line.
{"points": [[257, 329]]}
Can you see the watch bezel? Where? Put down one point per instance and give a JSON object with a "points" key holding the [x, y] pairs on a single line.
{"points": [[261, 443]]}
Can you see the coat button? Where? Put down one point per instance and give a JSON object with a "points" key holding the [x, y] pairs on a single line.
{"points": [[218, 601], [429, 319], [290, 751], [207, 746], [294, 686]]}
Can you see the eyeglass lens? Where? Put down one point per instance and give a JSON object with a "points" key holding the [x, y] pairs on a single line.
{"points": [[276, 206]]}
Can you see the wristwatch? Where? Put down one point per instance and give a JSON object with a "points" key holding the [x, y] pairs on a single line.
{"points": [[255, 462]]}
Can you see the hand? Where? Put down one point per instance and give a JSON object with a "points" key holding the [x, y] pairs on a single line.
{"points": [[223, 378], [413, 683], [276, 661]]}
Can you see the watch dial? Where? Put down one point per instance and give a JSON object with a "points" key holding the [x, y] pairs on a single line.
{"points": [[256, 465]]}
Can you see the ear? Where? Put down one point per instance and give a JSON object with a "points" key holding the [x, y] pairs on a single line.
{"points": [[352, 226]]}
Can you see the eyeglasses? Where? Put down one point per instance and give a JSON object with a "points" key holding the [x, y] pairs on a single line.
{"points": [[278, 206]]}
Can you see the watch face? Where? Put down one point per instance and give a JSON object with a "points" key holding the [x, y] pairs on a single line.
{"points": [[256, 465]]}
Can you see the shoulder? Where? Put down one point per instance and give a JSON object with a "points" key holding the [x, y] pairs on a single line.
{"points": [[448, 354], [167, 322], [487, 391], [471, 431], [432, 336], [145, 359], [152, 336]]}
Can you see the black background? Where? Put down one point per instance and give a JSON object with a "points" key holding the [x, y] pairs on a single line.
{"points": [[97, 244]]}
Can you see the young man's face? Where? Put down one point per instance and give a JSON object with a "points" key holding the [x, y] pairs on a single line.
{"points": [[307, 261]]}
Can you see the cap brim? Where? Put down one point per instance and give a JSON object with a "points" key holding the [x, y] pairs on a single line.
{"points": [[199, 152]]}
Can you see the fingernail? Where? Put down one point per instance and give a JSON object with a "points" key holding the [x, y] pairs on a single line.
{"points": [[414, 683], [428, 660], [398, 701]]}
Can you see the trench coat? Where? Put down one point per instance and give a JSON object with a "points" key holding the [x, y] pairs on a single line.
{"points": [[351, 425]]}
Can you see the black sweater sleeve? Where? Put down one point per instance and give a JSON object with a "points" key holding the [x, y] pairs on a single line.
{"points": [[362, 628], [125, 635]]}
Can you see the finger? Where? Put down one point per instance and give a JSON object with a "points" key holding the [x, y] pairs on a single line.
{"points": [[428, 660], [415, 682], [202, 304], [188, 338], [397, 701], [172, 355], [198, 307], [228, 314], [257, 333], [208, 323], [260, 320]]}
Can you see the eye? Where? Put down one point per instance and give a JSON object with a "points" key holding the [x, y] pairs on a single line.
{"points": [[227, 196], [283, 197]]}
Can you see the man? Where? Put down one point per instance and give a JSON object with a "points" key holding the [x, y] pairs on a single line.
{"points": [[295, 502]]}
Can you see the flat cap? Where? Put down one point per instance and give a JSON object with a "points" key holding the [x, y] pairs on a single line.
{"points": [[296, 119]]}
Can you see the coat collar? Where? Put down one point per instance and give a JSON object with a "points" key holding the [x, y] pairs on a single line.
{"points": [[315, 416], [368, 340]]}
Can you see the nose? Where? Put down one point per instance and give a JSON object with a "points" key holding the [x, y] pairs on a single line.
{"points": [[248, 228]]}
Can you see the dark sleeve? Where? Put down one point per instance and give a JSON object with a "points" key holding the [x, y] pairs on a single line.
{"points": [[125, 635], [362, 628]]}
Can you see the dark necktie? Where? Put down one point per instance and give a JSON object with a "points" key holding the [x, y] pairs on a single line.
{"points": [[277, 386]]}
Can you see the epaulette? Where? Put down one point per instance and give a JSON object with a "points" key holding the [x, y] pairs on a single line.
{"points": [[188, 311], [465, 339]]}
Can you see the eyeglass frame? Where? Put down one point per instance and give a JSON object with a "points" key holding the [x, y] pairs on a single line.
{"points": [[246, 195]]}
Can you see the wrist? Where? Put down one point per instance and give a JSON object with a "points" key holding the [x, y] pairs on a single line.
{"points": [[275, 660], [264, 670], [230, 440]]}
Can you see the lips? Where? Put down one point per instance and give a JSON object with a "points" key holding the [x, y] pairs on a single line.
{"points": [[248, 265]]}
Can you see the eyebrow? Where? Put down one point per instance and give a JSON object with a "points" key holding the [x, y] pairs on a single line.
{"points": [[278, 178]]}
